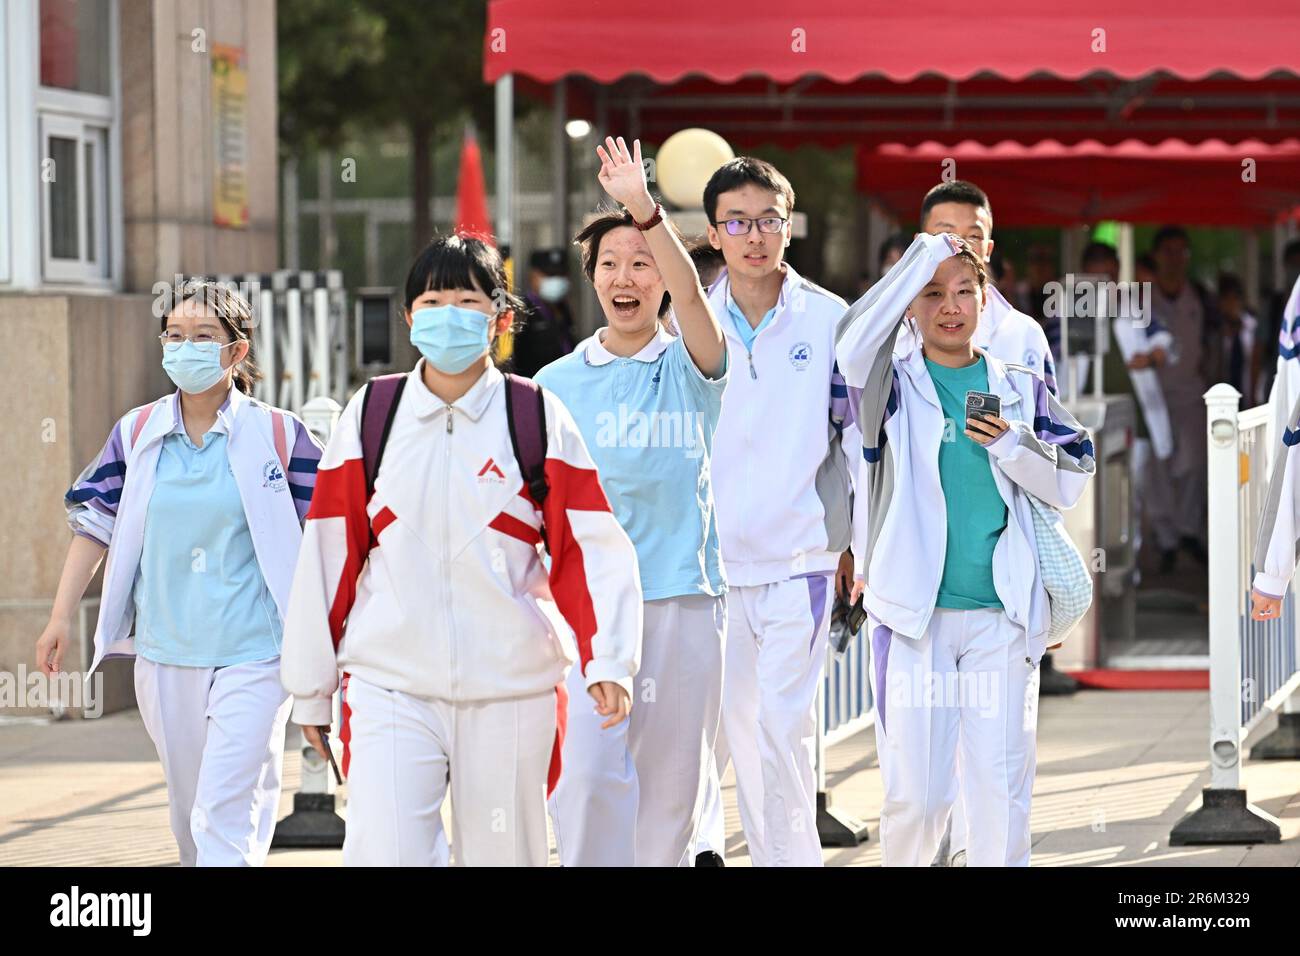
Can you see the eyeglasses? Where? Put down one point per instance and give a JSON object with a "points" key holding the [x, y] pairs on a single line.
{"points": [[205, 340], [742, 227]]}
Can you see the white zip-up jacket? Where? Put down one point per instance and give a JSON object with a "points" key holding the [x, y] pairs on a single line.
{"points": [[273, 458], [780, 477], [903, 531], [1279, 525], [452, 601]]}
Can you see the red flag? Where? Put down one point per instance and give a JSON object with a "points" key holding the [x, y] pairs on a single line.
{"points": [[471, 194]]}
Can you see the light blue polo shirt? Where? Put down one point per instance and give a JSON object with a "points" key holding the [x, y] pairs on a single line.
{"points": [[200, 598], [648, 422], [747, 332]]}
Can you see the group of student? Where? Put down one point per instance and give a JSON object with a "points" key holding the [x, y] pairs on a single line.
{"points": [[588, 592]]}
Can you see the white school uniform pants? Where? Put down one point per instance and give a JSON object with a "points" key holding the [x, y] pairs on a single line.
{"points": [[406, 752], [219, 732], [632, 795], [965, 685], [713, 827], [776, 652]]}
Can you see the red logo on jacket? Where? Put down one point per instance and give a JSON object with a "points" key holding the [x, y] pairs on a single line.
{"points": [[490, 472]]}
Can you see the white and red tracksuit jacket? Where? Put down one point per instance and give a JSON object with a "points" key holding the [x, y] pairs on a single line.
{"points": [[453, 601]]}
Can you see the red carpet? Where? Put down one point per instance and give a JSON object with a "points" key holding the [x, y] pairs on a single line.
{"points": [[1106, 679]]}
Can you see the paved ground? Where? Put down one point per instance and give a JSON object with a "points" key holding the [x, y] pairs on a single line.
{"points": [[1116, 771]]}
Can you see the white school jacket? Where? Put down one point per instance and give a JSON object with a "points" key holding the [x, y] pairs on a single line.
{"points": [[110, 499], [452, 600], [1279, 525], [900, 498], [780, 477]]}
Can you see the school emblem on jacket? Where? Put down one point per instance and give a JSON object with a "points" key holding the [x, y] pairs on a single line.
{"points": [[273, 476], [491, 473], [1031, 359], [801, 355]]}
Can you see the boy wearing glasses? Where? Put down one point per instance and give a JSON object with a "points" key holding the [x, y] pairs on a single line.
{"points": [[781, 483]]}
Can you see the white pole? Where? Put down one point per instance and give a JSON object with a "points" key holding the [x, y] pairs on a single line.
{"points": [[266, 356], [292, 252], [320, 358], [1221, 404], [293, 356], [560, 168], [505, 109]]}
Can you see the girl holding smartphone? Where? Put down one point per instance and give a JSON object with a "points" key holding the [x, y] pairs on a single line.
{"points": [[956, 606]]}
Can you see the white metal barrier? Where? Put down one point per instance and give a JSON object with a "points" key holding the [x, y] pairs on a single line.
{"points": [[300, 336], [844, 707], [1252, 664], [847, 704]]}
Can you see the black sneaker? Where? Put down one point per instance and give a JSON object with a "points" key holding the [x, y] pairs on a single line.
{"points": [[709, 858]]}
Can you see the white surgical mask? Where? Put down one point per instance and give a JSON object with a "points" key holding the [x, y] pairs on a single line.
{"points": [[553, 288]]}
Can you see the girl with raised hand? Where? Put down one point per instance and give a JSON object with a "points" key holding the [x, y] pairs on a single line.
{"points": [[647, 404]]}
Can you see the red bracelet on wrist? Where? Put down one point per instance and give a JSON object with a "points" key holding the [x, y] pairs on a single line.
{"points": [[653, 221]]}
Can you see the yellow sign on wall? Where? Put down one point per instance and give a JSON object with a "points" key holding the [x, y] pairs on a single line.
{"points": [[229, 137]]}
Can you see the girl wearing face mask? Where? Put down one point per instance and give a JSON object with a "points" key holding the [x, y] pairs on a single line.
{"points": [[430, 595], [198, 500], [957, 610], [648, 404]]}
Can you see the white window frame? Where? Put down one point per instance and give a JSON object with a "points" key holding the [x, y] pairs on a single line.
{"points": [[81, 132], [61, 112]]}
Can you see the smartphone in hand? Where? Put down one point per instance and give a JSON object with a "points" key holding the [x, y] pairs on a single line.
{"points": [[857, 615], [325, 739], [983, 405]]}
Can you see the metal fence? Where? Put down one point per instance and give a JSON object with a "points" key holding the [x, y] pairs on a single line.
{"points": [[1266, 649], [1252, 663], [300, 337], [846, 700]]}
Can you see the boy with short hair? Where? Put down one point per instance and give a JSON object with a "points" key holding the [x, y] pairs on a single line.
{"points": [[782, 488]]}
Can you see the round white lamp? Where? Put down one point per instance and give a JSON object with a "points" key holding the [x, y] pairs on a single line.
{"points": [[685, 162]]}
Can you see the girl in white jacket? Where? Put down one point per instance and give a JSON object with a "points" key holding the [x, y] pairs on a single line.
{"points": [[424, 585], [197, 499], [957, 610], [1275, 543]]}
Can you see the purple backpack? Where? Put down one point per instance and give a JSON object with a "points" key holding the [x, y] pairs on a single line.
{"points": [[525, 416]]}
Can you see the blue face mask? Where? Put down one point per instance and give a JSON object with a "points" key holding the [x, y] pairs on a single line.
{"points": [[450, 338], [193, 367]]}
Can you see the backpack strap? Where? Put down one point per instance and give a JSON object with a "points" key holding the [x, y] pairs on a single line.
{"points": [[526, 419], [281, 444], [378, 408], [143, 419]]}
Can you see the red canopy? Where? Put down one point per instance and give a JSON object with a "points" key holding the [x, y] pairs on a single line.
{"points": [[868, 71], [1050, 183], [845, 39]]}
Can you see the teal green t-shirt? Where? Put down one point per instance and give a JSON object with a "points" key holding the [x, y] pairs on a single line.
{"points": [[976, 512]]}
